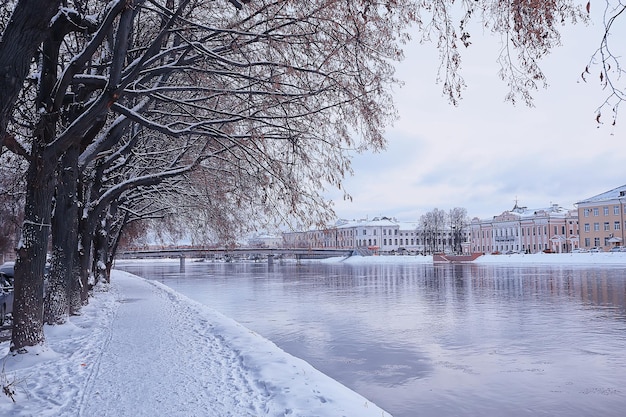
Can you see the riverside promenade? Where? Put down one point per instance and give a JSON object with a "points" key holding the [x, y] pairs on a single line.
{"points": [[141, 349]]}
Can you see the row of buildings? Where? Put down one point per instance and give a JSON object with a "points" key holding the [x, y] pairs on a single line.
{"points": [[596, 222]]}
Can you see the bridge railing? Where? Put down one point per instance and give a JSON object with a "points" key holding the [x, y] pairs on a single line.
{"points": [[203, 252]]}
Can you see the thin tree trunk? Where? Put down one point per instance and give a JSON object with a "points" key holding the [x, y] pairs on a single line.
{"points": [[101, 249], [85, 259]]}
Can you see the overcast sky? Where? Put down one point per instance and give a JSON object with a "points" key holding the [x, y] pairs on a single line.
{"points": [[485, 153]]}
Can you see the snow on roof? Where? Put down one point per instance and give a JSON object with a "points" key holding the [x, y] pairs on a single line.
{"points": [[520, 213], [607, 195], [375, 222], [554, 211], [409, 225]]}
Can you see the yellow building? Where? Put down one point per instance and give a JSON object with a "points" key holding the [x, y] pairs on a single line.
{"points": [[602, 219]]}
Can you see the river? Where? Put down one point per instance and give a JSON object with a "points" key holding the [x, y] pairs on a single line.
{"points": [[429, 340]]}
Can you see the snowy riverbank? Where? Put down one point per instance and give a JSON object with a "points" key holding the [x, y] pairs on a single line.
{"points": [[141, 349], [589, 258]]}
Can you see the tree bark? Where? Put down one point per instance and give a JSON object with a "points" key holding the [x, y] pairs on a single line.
{"points": [[31, 255], [40, 181], [101, 250], [64, 241], [85, 226], [26, 30]]}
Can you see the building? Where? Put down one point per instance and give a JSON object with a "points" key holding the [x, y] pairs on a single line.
{"points": [[376, 235], [523, 230], [265, 241], [597, 222], [380, 235], [602, 219]]}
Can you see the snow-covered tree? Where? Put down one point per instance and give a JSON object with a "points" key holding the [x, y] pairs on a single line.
{"points": [[270, 98], [459, 222], [432, 228], [277, 94], [11, 201]]}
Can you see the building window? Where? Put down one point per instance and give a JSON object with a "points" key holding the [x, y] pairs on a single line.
{"points": [[596, 227], [616, 226], [364, 232], [606, 226], [596, 211], [596, 241], [384, 241], [587, 228], [586, 212], [606, 211], [587, 242], [616, 210]]}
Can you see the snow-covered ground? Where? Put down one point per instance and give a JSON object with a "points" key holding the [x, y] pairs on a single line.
{"points": [[587, 258], [141, 349]]}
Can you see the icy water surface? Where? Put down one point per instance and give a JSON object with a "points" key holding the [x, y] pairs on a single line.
{"points": [[424, 340]]}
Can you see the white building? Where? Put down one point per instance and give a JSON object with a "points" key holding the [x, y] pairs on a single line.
{"points": [[265, 241], [379, 235]]}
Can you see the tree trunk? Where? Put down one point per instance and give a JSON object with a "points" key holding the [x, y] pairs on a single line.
{"points": [[85, 259], [76, 302], [31, 256], [115, 237], [101, 243], [29, 24], [64, 241]]}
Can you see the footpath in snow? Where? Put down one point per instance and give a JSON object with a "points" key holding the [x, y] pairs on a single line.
{"points": [[141, 349]]}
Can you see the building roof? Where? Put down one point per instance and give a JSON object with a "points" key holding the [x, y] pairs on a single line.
{"points": [[375, 222], [613, 194], [553, 211], [520, 213]]}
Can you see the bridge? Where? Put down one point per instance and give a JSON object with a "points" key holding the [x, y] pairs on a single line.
{"points": [[233, 253]]}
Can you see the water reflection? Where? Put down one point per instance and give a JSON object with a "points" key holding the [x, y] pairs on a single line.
{"points": [[430, 340]]}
